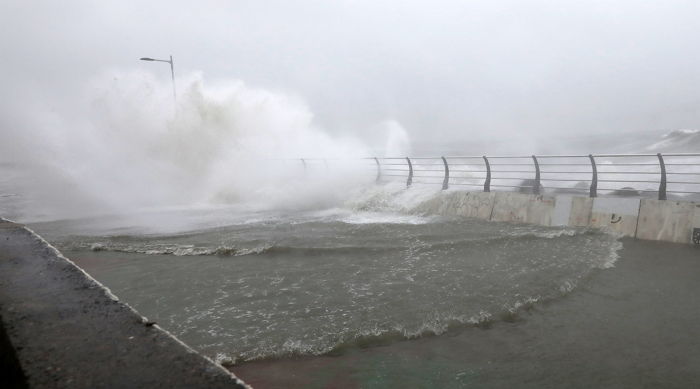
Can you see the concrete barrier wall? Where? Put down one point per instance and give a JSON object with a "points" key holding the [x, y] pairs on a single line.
{"points": [[516, 207], [664, 220], [671, 221], [615, 213]]}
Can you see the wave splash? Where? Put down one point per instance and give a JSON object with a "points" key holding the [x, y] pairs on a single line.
{"points": [[222, 142]]}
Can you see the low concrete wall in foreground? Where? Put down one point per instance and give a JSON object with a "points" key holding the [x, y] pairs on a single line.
{"points": [[63, 329], [649, 219]]}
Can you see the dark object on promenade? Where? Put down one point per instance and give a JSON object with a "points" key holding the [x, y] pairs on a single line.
{"points": [[626, 192], [528, 187]]}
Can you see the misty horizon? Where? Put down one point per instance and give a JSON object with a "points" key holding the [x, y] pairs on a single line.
{"points": [[517, 73]]}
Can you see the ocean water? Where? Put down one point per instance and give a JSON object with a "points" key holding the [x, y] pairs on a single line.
{"points": [[372, 293], [633, 325]]}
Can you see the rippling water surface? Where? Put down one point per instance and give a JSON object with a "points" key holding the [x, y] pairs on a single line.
{"points": [[308, 283], [381, 293]]}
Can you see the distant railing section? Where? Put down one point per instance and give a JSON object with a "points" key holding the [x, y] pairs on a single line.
{"points": [[621, 174], [593, 174]]}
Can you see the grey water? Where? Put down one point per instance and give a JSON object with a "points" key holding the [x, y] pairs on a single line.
{"points": [[373, 295]]}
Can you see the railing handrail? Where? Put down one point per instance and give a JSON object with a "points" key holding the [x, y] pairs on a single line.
{"points": [[534, 183], [493, 156], [550, 156], [533, 174]]}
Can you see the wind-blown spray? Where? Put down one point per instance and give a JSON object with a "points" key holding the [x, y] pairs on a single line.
{"points": [[125, 147]]}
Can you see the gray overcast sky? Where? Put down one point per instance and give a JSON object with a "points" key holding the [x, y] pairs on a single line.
{"points": [[448, 70]]}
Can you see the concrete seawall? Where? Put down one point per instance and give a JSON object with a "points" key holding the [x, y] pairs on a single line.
{"points": [[60, 328], [649, 219]]}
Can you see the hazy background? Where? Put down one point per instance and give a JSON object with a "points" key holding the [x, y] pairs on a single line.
{"points": [[328, 78], [445, 70]]}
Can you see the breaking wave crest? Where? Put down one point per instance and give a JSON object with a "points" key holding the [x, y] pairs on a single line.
{"points": [[177, 250], [147, 248], [435, 325]]}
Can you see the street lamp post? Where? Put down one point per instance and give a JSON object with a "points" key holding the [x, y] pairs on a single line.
{"points": [[172, 69]]}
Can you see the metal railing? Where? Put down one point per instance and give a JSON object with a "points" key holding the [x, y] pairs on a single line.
{"points": [[618, 174]]}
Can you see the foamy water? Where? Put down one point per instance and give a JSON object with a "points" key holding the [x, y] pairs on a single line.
{"points": [[258, 285]]}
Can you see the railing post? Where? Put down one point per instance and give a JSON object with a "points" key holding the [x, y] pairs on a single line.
{"points": [[594, 178], [487, 182], [446, 181], [662, 183], [379, 169], [409, 181], [536, 186]]}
